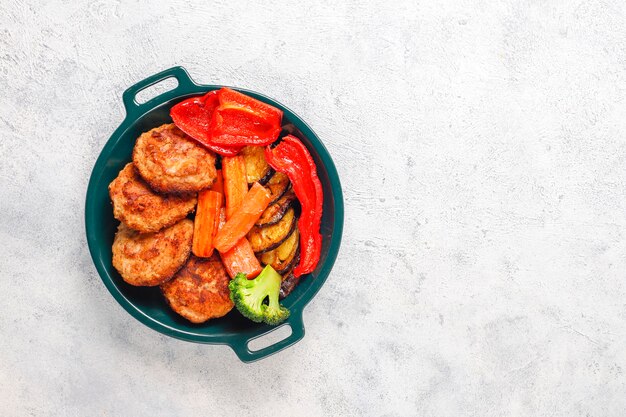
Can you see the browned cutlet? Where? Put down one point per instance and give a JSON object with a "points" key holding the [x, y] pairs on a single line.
{"points": [[199, 291], [172, 162]]}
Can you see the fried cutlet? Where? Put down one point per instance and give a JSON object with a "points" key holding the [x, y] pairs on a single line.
{"points": [[135, 204], [172, 162], [199, 291], [149, 259]]}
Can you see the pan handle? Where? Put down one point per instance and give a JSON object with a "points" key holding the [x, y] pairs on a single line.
{"points": [[185, 85], [297, 333]]}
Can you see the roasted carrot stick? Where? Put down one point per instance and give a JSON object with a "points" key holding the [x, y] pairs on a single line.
{"points": [[243, 219], [235, 182], [206, 222], [240, 258]]}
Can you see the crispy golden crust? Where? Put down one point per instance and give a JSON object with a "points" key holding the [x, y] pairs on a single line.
{"points": [[199, 291], [172, 162], [135, 204], [149, 259]]}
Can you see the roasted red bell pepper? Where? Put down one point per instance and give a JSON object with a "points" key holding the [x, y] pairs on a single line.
{"points": [[292, 158], [241, 120], [193, 116], [233, 98]]}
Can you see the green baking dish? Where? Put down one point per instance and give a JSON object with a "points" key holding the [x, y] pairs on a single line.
{"points": [[147, 304]]}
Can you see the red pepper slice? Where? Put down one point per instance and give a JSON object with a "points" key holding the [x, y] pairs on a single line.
{"points": [[235, 98], [292, 158], [240, 120], [233, 126], [193, 116]]}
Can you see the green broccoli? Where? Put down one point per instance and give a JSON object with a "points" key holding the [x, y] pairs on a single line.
{"points": [[249, 296]]}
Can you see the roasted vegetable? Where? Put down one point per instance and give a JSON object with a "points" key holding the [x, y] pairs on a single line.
{"points": [[267, 238], [241, 257], [257, 168], [283, 257], [278, 185], [289, 283], [206, 222], [193, 116], [276, 211], [226, 120], [249, 296], [241, 120], [293, 158], [235, 182], [242, 220]]}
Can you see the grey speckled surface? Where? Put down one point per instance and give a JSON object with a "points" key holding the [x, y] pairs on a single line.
{"points": [[481, 148]]}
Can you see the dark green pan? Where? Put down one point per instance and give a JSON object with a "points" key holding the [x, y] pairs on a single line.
{"points": [[147, 304]]}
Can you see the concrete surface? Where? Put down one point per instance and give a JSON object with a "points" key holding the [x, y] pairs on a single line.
{"points": [[481, 147]]}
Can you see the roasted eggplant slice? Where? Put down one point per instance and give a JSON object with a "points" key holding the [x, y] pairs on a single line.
{"points": [[257, 168], [283, 256], [263, 239], [287, 286], [278, 185], [276, 211]]}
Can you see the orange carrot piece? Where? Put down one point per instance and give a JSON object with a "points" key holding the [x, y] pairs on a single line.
{"points": [[218, 185], [243, 219], [241, 257], [235, 182], [206, 222]]}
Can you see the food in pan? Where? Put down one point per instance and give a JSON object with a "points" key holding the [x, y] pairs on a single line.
{"points": [[199, 291], [249, 296], [257, 168], [275, 212], [278, 185], [172, 162], [267, 238], [291, 157], [283, 258], [256, 220], [289, 283], [242, 219], [142, 209], [150, 259]]}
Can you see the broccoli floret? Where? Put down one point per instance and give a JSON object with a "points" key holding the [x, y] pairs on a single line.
{"points": [[250, 295]]}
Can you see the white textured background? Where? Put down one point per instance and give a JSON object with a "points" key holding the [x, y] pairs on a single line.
{"points": [[481, 146]]}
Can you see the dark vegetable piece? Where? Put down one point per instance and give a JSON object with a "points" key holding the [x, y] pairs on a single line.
{"points": [[249, 297], [278, 185], [276, 211], [282, 258], [264, 239], [257, 168], [288, 285], [292, 157]]}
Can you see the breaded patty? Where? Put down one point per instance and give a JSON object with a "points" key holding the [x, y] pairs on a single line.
{"points": [[172, 162], [149, 259], [135, 204], [199, 291]]}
